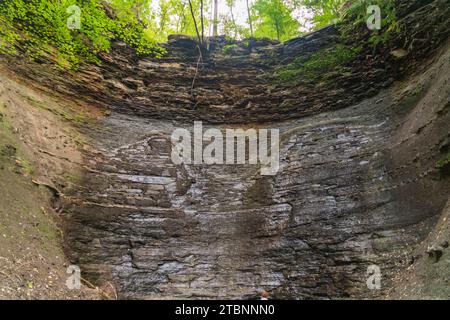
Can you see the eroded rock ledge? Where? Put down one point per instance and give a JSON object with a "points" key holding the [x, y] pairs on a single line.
{"points": [[241, 86]]}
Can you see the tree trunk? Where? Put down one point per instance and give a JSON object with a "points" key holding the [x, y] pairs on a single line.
{"points": [[200, 40], [277, 27], [216, 18], [249, 19], [202, 24], [234, 23]]}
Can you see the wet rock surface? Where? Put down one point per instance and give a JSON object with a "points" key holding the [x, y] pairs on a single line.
{"points": [[343, 199]]}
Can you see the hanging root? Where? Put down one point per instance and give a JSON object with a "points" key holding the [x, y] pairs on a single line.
{"points": [[200, 59]]}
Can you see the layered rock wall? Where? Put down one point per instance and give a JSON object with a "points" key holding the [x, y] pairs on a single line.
{"points": [[357, 185]]}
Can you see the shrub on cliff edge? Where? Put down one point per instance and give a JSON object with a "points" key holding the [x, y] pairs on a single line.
{"points": [[37, 27]]}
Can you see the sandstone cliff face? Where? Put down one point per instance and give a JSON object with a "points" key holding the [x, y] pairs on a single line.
{"points": [[357, 185]]}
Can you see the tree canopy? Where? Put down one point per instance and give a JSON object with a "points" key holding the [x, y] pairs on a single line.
{"points": [[274, 19], [40, 24]]}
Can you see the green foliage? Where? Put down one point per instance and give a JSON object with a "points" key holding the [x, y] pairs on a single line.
{"points": [[37, 26], [444, 162], [318, 63], [273, 19], [354, 13], [174, 17], [325, 12], [229, 48], [185, 19], [357, 14]]}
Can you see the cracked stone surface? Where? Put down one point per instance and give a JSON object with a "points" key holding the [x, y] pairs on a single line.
{"points": [[161, 230]]}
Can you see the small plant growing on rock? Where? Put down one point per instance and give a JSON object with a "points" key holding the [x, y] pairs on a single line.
{"points": [[318, 63], [230, 48], [444, 165], [357, 15]]}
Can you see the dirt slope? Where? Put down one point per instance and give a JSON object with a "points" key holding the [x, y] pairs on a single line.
{"points": [[35, 145]]}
